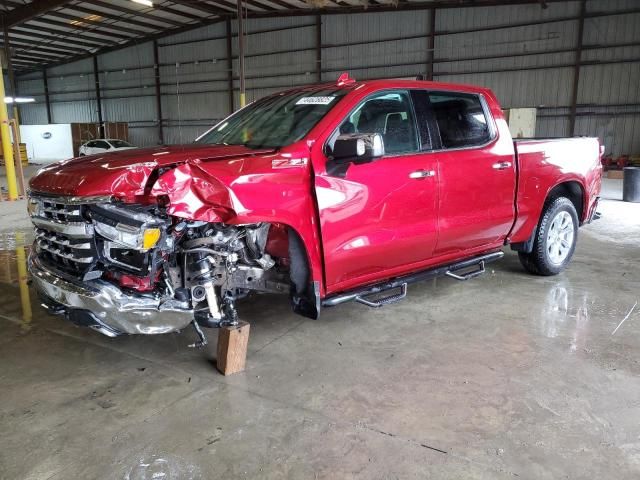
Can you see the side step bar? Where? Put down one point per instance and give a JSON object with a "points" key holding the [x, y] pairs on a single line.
{"points": [[381, 302], [468, 275], [360, 295]]}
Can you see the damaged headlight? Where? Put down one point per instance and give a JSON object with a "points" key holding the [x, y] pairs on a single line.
{"points": [[133, 229], [129, 236]]}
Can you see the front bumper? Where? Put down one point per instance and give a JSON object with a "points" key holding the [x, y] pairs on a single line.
{"points": [[106, 308]]}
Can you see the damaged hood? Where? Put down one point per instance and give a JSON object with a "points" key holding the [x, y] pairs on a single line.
{"points": [[130, 174]]}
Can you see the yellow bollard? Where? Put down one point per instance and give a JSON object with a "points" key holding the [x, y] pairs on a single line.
{"points": [[25, 299], [7, 148], [16, 155], [243, 100]]}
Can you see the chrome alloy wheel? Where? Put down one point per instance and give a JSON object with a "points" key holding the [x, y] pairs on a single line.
{"points": [[560, 237]]}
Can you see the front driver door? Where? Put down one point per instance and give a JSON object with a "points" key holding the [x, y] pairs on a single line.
{"points": [[378, 218]]}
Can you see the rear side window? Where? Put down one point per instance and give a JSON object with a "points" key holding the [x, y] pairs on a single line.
{"points": [[461, 119], [101, 145]]}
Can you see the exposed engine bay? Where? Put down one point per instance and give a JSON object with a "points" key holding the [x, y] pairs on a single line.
{"points": [[215, 264], [186, 266]]}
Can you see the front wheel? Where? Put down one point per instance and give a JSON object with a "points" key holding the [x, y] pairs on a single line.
{"points": [[555, 241]]}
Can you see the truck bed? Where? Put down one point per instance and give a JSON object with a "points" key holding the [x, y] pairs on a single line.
{"points": [[545, 163]]}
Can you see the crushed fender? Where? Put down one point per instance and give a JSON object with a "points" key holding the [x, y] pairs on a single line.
{"points": [[194, 195]]}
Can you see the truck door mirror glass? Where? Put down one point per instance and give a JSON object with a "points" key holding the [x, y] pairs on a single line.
{"points": [[359, 147]]}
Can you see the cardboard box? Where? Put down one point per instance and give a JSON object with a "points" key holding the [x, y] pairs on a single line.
{"points": [[521, 121]]}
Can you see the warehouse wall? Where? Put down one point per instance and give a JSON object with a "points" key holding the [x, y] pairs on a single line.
{"points": [[526, 54]]}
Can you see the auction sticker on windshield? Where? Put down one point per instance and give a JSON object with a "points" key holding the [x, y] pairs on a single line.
{"points": [[315, 101]]}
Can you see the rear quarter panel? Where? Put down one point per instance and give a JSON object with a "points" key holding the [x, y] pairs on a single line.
{"points": [[544, 164]]}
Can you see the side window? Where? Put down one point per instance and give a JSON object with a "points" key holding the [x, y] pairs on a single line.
{"points": [[461, 119], [90, 144], [100, 144], [389, 114]]}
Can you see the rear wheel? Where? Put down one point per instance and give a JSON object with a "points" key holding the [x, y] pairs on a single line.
{"points": [[555, 241]]}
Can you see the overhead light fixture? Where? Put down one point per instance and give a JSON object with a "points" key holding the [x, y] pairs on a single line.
{"points": [[19, 99], [148, 3]]}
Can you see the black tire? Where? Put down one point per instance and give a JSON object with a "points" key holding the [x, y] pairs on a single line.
{"points": [[545, 259]]}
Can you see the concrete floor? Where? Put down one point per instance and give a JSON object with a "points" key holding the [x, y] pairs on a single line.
{"points": [[14, 212], [506, 376]]}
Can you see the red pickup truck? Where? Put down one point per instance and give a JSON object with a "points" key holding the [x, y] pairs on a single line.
{"points": [[328, 193]]}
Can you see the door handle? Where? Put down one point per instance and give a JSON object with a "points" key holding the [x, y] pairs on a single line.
{"points": [[501, 165], [419, 174]]}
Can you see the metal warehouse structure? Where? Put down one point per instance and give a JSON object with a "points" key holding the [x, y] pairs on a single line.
{"points": [[171, 70]]}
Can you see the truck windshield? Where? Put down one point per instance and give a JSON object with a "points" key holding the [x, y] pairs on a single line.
{"points": [[275, 121]]}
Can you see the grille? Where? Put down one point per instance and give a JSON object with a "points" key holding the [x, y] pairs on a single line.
{"points": [[60, 212], [73, 255], [64, 240]]}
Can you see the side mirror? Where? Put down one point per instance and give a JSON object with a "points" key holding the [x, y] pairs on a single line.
{"points": [[358, 147]]}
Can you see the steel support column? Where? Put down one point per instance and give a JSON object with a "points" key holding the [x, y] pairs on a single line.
{"points": [[12, 78], [96, 78], [7, 149], [47, 99], [576, 69], [431, 43], [319, 48], [156, 70], [241, 54], [229, 65]]}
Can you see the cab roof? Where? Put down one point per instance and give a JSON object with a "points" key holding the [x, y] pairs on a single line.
{"points": [[391, 83]]}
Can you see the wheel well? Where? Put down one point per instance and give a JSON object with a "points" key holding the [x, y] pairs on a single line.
{"points": [[305, 294], [571, 190], [299, 270]]}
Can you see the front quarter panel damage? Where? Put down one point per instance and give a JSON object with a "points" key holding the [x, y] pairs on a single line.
{"points": [[246, 191], [194, 195]]}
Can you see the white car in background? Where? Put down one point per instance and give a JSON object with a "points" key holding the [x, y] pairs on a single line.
{"points": [[104, 145]]}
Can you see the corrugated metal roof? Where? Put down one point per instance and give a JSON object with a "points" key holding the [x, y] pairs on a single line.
{"points": [[52, 32], [526, 54]]}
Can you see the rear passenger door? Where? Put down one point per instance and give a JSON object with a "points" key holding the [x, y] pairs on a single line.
{"points": [[477, 174]]}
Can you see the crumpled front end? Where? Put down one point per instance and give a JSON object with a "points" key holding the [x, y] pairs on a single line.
{"points": [[179, 240], [106, 308], [97, 262], [135, 269]]}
